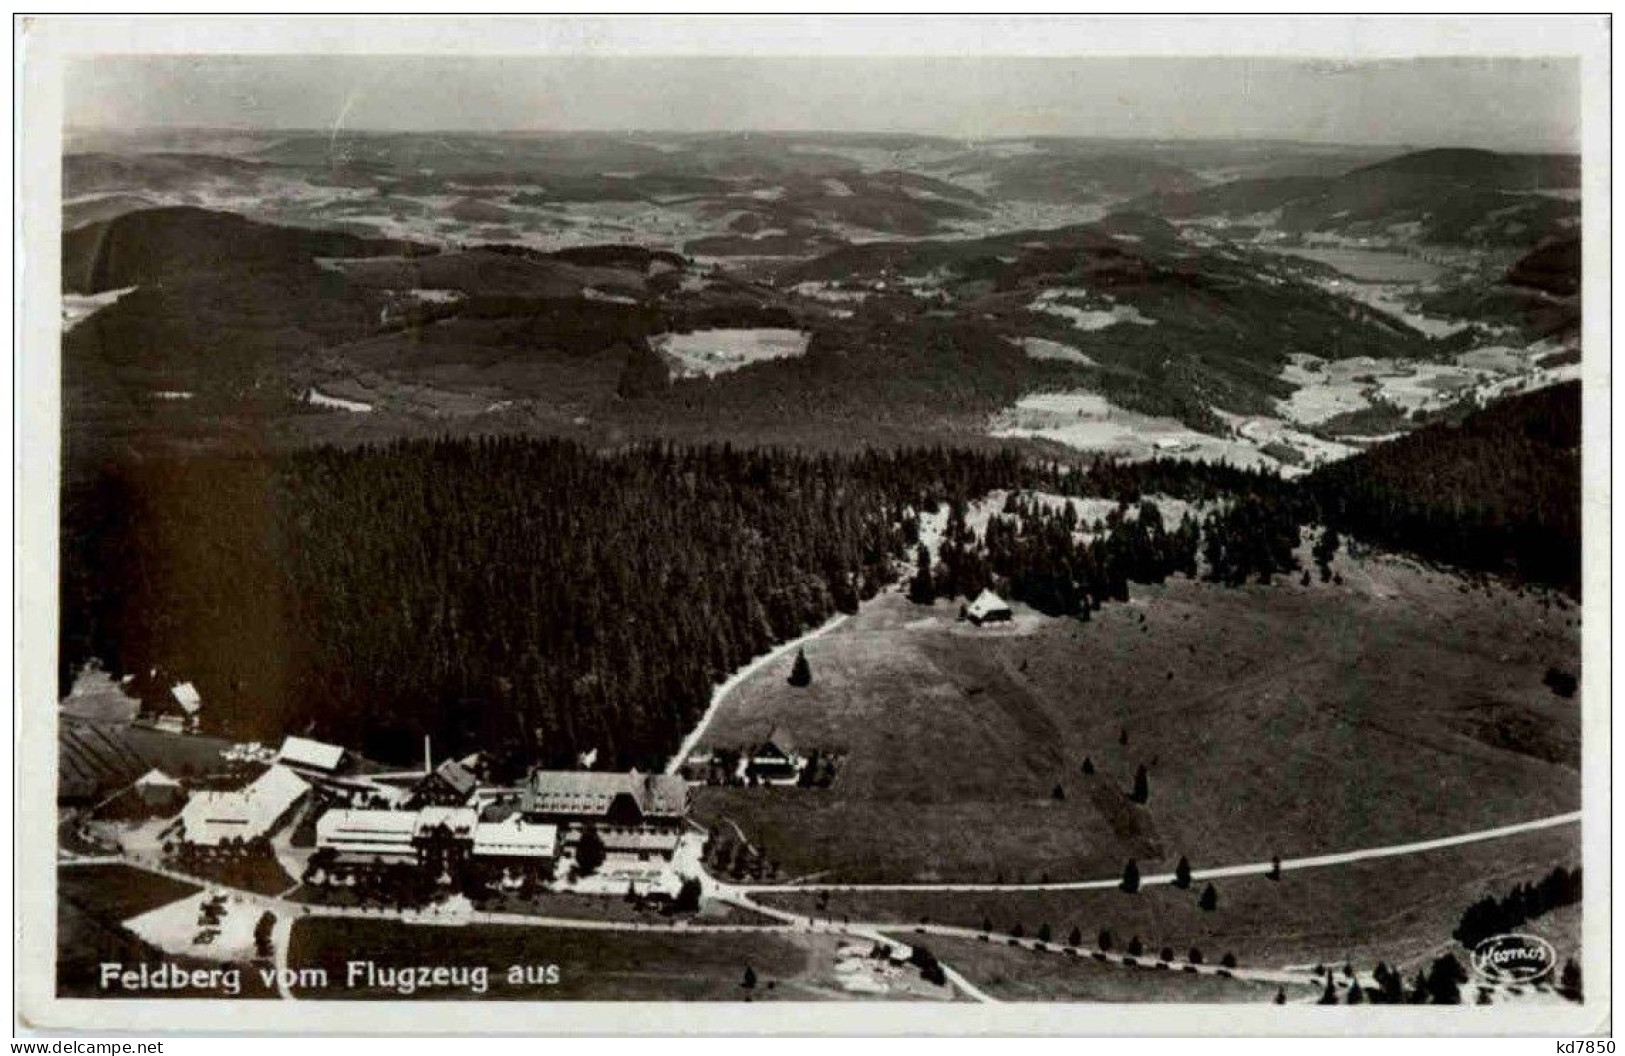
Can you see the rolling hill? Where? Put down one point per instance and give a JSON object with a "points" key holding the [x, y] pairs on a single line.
{"points": [[176, 244], [1497, 492], [1452, 196]]}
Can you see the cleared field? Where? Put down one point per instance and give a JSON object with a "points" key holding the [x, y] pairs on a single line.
{"points": [[117, 892], [1371, 265], [592, 965], [1401, 910], [711, 352], [1025, 974], [1089, 422], [1398, 706]]}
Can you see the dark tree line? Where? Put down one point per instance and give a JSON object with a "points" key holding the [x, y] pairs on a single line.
{"points": [[525, 596], [536, 600], [1041, 554], [1498, 492], [1252, 538], [1497, 916]]}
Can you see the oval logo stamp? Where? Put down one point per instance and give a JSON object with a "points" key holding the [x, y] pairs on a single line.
{"points": [[1513, 958]]}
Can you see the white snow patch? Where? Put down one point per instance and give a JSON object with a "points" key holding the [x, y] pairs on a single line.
{"points": [[1089, 422], [1042, 348], [711, 352], [1087, 318], [321, 399], [589, 293], [181, 928], [429, 296], [77, 307]]}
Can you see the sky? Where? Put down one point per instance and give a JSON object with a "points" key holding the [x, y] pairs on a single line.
{"points": [[1503, 104]]}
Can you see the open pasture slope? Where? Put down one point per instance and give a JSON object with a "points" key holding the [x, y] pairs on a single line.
{"points": [[1400, 705], [1401, 909]]}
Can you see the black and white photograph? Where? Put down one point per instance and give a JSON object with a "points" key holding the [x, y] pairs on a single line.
{"points": [[1036, 527]]}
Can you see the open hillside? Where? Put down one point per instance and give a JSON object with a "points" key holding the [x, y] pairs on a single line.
{"points": [[1400, 910], [1296, 719]]}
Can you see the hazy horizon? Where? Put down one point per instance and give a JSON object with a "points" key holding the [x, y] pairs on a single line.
{"points": [[1526, 105]]}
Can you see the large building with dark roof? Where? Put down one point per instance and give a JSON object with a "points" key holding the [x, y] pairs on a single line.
{"points": [[636, 815]]}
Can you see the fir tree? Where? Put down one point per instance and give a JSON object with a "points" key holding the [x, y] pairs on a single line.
{"points": [[800, 672], [922, 590], [589, 851]]}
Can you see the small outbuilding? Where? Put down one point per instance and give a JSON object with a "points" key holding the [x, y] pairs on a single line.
{"points": [[311, 756], [775, 758], [987, 608], [448, 785], [187, 698], [159, 792]]}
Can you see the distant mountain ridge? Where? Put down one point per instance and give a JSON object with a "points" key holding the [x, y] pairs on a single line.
{"points": [[1451, 195], [175, 242]]}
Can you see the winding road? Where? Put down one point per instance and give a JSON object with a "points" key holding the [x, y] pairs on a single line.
{"points": [[874, 931], [1246, 869], [686, 749]]}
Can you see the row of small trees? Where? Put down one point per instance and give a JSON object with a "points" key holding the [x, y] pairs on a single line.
{"points": [[1497, 916], [1106, 942]]}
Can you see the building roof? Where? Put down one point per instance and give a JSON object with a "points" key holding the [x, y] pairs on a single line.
{"points": [[456, 776], [515, 839], [299, 751], [986, 603], [187, 696], [211, 818], [351, 858], [459, 820], [367, 831], [779, 738], [156, 778], [586, 792], [627, 842]]}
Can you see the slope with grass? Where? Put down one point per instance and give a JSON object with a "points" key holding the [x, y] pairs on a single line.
{"points": [[1025, 974], [1400, 705], [590, 966], [1401, 910]]}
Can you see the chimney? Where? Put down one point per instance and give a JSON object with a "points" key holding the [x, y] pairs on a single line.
{"points": [[428, 762]]}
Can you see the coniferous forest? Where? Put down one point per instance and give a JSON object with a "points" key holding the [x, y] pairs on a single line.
{"points": [[1498, 492], [535, 599], [527, 597]]}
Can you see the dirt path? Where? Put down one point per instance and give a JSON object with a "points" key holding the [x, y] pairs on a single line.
{"points": [[686, 749]]}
